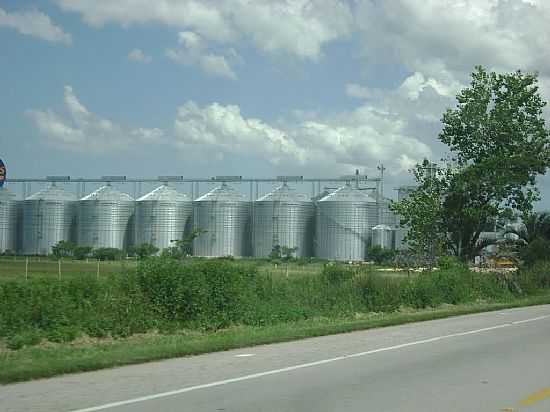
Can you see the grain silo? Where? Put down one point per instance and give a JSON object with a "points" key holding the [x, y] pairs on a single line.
{"points": [[162, 216], [382, 235], [283, 218], [8, 221], [103, 219], [48, 217], [386, 215], [223, 214], [344, 220]]}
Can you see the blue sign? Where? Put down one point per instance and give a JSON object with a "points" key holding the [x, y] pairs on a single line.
{"points": [[2, 173]]}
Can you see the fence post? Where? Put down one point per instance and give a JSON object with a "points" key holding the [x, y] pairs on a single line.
{"points": [[98, 268], [59, 268], [27, 268]]}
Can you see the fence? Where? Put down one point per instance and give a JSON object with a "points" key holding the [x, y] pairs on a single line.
{"points": [[25, 267]]}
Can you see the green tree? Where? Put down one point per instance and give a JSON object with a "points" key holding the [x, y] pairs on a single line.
{"points": [[144, 250], [288, 253], [498, 145], [422, 212], [275, 252], [82, 252], [107, 253], [183, 247], [63, 248]]}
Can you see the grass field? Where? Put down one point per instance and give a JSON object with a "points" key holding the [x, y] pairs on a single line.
{"points": [[15, 268], [43, 267]]}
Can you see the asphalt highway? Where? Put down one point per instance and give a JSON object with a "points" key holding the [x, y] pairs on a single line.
{"points": [[497, 361]]}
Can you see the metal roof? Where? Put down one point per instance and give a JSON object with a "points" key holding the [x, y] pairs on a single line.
{"points": [[348, 193], [108, 193], [52, 192], [284, 194], [5, 194], [223, 193], [382, 227], [165, 193]]}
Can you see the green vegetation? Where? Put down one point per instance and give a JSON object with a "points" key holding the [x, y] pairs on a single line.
{"points": [[498, 144], [204, 300]]}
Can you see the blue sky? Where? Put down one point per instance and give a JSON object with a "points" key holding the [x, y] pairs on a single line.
{"points": [[233, 87]]}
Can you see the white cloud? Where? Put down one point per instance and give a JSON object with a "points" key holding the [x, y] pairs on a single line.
{"points": [[84, 131], [358, 91], [360, 139], [34, 23], [194, 50], [296, 27], [444, 39], [137, 55]]}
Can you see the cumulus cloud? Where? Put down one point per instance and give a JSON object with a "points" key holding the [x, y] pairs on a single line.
{"points": [[442, 40], [83, 131], [361, 138], [34, 23], [194, 51], [296, 27], [137, 55]]}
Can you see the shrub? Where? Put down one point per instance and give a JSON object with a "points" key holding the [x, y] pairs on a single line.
{"points": [[335, 274], [107, 253], [380, 255], [537, 250], [25, 338], [379, 293], [62, 334]]}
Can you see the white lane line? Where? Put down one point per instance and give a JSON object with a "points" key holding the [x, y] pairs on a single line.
{"points": [[244, 355], [302, 366], [519, 322]]}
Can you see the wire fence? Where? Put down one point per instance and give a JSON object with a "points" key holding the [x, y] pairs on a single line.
{"points": [[21, 267]]}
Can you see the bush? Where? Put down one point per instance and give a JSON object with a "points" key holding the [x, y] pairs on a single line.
{"points": [[26, 338], [107, 253], [334, 274], [537, 250], [63, 334], [82, 252], [379, 293], [167, 294], [380, 255]]}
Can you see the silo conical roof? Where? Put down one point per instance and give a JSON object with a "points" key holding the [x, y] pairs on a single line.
{"points": [[223, 193], [5, 194], [165, 193], [108, 193], [52, 192], [381, 227], [284, 194], [348, 194]]}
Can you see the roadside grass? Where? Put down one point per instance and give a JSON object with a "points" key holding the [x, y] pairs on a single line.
{"points": [[49, 359]]}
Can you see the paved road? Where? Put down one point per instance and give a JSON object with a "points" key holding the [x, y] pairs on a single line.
{"points": [[497, 361]]}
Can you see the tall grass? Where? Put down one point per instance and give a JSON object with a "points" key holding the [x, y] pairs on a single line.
{"points": [[166, 295]]}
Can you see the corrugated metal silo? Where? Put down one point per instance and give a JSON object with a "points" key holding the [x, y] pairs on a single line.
{"points": [[285, 218], [382, 235], [162, 216], [48, 217], [344, 220], [8, 220], [386, 215], [225, 216], [103, 219]]}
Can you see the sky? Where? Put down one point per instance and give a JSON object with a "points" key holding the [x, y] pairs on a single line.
{"points": [[257, 88]]}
